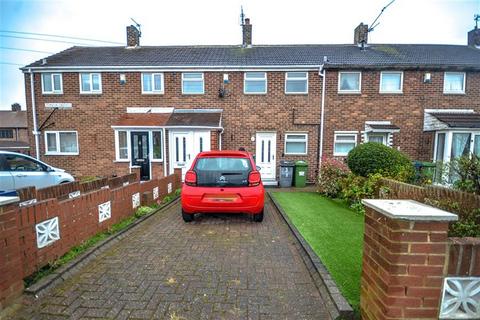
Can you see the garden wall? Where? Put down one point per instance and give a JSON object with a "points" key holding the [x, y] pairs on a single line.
{"points": [[47, 223]]}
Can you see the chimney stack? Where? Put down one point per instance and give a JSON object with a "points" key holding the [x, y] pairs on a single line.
{"points": [[247, 34], [474, 38], [133, 36], [360, 37]]}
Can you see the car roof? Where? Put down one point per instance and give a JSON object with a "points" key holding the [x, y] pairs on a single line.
{"points": [[224, 153]]}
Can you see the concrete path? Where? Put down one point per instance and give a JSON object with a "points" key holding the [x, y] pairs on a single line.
{"points": [[219, 267]]}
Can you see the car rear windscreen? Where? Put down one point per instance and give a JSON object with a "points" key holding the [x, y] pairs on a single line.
{"points": [[222, 172]]}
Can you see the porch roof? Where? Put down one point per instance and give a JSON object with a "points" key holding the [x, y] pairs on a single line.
{"points": [[195, 118], [459, 120], [142, 120]]}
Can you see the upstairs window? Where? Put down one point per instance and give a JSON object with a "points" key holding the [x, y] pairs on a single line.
{"points": [[193, 83], [296, 143], [454, 82], [296, 82], [343, 143], [255, 83], [52, 83], [349, 82], [90, 83], [152, 83], [391, 82]]}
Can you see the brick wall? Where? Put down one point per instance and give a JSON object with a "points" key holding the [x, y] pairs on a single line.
{"points": [[78, 221]]}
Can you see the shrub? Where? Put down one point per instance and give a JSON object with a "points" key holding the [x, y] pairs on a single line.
{"points": [[371, 158], [142, 211], [354, 188], [331, 172], [466, 173]]}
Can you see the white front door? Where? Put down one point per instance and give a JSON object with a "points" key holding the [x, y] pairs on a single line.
{"points": [[184, 147], [266, 147]]}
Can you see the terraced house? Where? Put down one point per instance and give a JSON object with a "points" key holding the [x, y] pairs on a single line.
{"points": [[102, 110]]}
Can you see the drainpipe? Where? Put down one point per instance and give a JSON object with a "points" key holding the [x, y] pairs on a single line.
{"points": [[323, 74], [220, 140], [34, 112], [164, 152]]}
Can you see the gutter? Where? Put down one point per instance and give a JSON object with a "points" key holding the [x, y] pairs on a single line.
{"points": [[36, 133]]}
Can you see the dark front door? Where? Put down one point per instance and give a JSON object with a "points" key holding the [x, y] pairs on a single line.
{"points": [[140, 153]]}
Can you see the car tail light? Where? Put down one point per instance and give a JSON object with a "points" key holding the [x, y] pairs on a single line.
{"points": [[191, 178], [254, 178]]}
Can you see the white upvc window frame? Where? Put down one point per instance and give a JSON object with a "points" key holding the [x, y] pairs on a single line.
{"points": [[52, 75], [129, 143], [305, 134], [150, 137], [400, 91], [357, 91], [193, 80], [343, 133], [445, 83], [265, 79], [117, 146], [385, 136], [152, 82], [287, 78], [447, 153], [57, 142], [91, 91]]}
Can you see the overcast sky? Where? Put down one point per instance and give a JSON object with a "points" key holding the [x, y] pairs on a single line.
{"points": [[187, 22]]}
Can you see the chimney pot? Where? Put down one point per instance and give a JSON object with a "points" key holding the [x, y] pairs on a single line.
{"points": [[247, 34], [133, 36], [360, 37]]}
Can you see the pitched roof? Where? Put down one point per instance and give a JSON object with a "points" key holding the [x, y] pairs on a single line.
{"points": [[13, 119], [459, 120], [195, 118], [142, 119], [339, 56]]}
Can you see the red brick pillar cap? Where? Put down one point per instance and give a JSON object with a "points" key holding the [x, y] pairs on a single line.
{"points": [[408, 210]]}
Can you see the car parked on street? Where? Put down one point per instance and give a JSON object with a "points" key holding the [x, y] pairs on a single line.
{"points": [[18, 171], [223, 182]]}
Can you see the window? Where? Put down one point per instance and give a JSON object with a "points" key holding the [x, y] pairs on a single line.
{"points": [[192, 83], [454, 82], [377, 137], [19, 163], [61, 142], [349, 82], [122, 145], [152, 83], [391, 82], [296, 82], [6, 133], [156, 145], [90, 83], [255, 83], [296, 143], [52, 83], [343, 143]]}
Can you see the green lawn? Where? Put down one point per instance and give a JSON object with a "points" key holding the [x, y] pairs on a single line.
{"points": [[335, 233]]}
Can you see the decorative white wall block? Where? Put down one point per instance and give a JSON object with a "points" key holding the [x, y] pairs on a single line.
{"points": [[126, 183], [135, 200], [27, 202], [169, 187], [461, 298], [155, 193], [104, 211], [48, 231], [74, 194]]}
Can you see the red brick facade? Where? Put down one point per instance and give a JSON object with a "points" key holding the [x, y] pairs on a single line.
{"points": [[243, 115]]}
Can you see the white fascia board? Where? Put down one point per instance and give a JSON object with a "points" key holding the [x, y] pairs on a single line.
{"points": [[136, 127], [449, 111], [149, 110]]}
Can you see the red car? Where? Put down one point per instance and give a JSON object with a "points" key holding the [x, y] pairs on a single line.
{"points": [[223, 182]]}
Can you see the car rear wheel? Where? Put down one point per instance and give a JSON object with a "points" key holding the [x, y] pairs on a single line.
{"points": [[187, 217], [258, 217]]}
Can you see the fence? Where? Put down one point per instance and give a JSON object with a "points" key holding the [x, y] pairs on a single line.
{"points": [[47, 223]]}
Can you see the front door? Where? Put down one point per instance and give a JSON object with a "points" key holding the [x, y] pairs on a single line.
{"points": [[182, 151], [140, 153], [266, 147]]}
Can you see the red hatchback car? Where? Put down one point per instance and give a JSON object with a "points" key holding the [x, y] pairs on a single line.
{"points": [[223, 182]]}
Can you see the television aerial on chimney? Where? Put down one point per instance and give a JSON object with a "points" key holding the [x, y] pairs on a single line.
{"points": [[476, 17], [242, 16], [374, 24], [138, 27]]}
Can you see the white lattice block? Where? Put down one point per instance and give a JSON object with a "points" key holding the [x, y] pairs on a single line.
{"points": [[104, 211], [155, 193], [460, 298], [169, 187], [135, 200], [48, 232], [74, 194]]}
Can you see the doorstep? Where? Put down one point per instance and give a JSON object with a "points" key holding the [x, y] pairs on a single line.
{"points": [[270, 182]]}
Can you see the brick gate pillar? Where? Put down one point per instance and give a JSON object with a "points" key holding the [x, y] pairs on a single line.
{"points": [[404, 257]]}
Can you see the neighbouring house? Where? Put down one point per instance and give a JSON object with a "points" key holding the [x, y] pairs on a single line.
{"points": [[105, 110], [14, 130]]}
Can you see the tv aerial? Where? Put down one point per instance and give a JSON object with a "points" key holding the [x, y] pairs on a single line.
{"points": [[242, 16], [138, 26], [374, 24]]}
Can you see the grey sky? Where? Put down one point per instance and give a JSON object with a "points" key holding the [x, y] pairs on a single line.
{"points": [[217, 22]]}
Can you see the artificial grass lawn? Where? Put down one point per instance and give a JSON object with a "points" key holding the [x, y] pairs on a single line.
{"points": [[334, 232]]}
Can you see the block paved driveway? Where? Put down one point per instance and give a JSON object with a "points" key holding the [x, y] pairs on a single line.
{"points": [[219, 267]]}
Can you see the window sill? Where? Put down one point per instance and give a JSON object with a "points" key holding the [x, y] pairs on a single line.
{"points": [[254, 93], [296, 93], [192, 94], [121, 161], [153, 93], [454, 93], [91, 93], [350, 92], [296, 154], [62, 154], [52, 93], [390, 92], [156, 161]]}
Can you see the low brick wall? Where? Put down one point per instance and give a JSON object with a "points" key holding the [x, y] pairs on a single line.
{"points": [[73, 220], [464, 257]]}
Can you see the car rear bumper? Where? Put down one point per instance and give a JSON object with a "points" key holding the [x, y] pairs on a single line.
{"points": [[222, 200]]}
